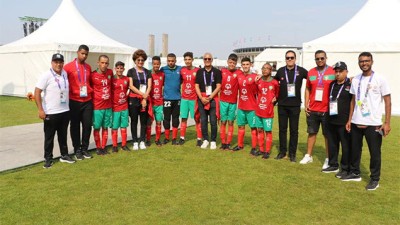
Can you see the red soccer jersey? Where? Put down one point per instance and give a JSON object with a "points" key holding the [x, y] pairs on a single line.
{"points": [[77, 79], [229, 85], [267, 91], [119, 89], [313, 83], [157, 86], [247, 92], [102, 89], [188, 81]]}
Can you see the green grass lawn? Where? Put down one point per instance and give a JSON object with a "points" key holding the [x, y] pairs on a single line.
{"points": [[17, 111], [187, 185]]}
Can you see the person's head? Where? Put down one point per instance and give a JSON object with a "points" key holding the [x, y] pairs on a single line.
{"points": [[246, 64], [207, 59], [83, 53], [320, 58], [102, 63], [188, 58], [139, 57], [119, 68], [232, 61], [266, 70], [365, 61], [340, 71], [156, 62], [57, 63], [171, 60], [290, 57]]}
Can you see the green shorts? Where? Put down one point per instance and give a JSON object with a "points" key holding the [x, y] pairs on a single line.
{"points": [[158, 112], [120, 119], [264, 123], [187, 106], [227, 111], [102, 118], [246, 117]]}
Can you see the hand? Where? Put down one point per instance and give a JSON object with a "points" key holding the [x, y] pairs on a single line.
{"points": [[204, 100], [42, 115], [348, 126], [386, 129], [145, 96], [144, 103], [307, 111], [274, 100], [258, 77]]}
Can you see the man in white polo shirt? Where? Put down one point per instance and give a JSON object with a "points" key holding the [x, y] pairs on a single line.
{"points": [[370, 90]]}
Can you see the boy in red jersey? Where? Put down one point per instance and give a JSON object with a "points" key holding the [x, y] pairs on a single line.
{"points": [[228, 100], [268, 90], [156, 99], [102, 103], [120, 115], [247, 105], [189, 97]]}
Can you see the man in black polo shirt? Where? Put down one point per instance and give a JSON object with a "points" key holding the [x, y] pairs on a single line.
{"points": [[339, 110], [290, 78], [208, 84]]}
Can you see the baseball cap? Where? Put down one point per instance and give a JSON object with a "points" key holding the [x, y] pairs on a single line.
{"points": [[57, 56], [340, 65]]}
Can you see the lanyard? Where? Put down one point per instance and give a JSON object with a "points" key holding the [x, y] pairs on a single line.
{"points": [[321, 76], [138, 76], [359, 87], [79, 73], [204, 77], [294, 79], [340, 90], [57, 80]]}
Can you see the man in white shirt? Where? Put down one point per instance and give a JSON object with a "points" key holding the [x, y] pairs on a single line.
{"points": [[370, 90]]}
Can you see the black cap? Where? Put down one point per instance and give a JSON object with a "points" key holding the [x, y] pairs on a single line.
{"points": [[340, 65], [57, 56]]}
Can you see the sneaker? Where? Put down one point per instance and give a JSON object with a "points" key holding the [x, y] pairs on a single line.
{"points": [[115, 149], [79, 156], [148, 143], [330, 169], [213, 145], [199, 143], [222, 147], [48, 164], [292, 158], [105, 152], [158, 143], [280, 156], [351, 177], [237, 148], [372, 185], [99, 151], [266, 155], [174, 142], [125, 148], [181, 141], [67, 159], [86, 154], [205, 144], [165, 141], [307, 159], [228, 147], [253, 152], [142, 145], [135, 146], [341, 174], [326, 164]]}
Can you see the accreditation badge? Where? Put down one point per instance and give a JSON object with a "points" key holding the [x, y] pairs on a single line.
{"points": [[63, 96], [365, 111], [208, 90], [291, 90], [142, 88], [83, 91], [333, 108], [318, 94]]}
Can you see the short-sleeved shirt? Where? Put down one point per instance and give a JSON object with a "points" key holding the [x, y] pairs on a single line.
{"points": [[79, 75], [247, 92], [52, 85], [120, 89], [138, 78], [301, 73], [343, 102], [267, 91], [378, 88], [315, 81], [156, 93], [188, 77], [172, 83], [102, 83], [212, 77], [229, 85]]}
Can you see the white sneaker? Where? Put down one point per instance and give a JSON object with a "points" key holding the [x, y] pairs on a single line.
{"points": [[135, 146], [307, 159], [205, 144], [326, 164], [213, 145], [142, 145]]}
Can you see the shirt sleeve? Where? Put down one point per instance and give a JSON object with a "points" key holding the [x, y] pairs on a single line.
{"points": [[42, 82], [218, 77]]}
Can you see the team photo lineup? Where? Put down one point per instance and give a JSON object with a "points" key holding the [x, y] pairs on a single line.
{"points": [[234, 100]]}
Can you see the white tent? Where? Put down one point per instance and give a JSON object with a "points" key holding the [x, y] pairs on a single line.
{"points": [[375, 28], [27, 58], [275, 55]]}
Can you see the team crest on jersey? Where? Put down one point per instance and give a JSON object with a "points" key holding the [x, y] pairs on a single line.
{"points": [[234, 75], [250, 79], [125, 82], [271, 87], [109, 76], [194, 73], [160, 78]]}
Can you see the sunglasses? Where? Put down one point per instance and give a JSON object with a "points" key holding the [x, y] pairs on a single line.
{"points": [[320, 59], [207, 59], [290, 58], [140, 60], [364, 61]]}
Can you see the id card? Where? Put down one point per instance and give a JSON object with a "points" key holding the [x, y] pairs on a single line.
{"points": [[291, 90], [318, 94], [83, 91], [208, 90], [365, 108], [333, 108], [63, 96], [142, 88]]}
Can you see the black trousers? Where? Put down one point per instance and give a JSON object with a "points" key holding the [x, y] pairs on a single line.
{"points": [[337, 135], [55, 123], [81, 113], [171, 109], [204, 114], [374, 141], [136, 111], [291, 114]]}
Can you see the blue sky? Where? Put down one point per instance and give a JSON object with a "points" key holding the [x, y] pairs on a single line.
{"points": [[198, 26]]}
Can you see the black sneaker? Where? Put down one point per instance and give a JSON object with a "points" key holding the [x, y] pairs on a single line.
{"points": [[99, 151], [174, 142], [105, 152], [292, 158], [228, 147], [237, 148], [48, 164], [158, 143], [253, 151], [79, 156], [165, 141], [125, 148], [86, 154], [266, 155], [330, 169], [351, 177], [181, 141], [223, 146], [199, 143], [372, 185], [148, 143], [67, 159], [341, 174], [280, 155], [114, 149]]}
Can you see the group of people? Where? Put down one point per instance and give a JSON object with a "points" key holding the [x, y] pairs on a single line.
{"points": [[346, 109]]}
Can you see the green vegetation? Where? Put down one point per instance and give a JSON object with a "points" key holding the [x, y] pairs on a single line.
{"points": [[17, 111]]}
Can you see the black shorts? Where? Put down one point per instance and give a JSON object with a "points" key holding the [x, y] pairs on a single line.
{"points": [[314, 120]]}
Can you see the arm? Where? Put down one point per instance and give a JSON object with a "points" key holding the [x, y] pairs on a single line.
{"points": [[38, 99], [306, 100], [388, 111], [133, 88], [352, 104], [204, 100], [215, 92], [149, 84]]}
